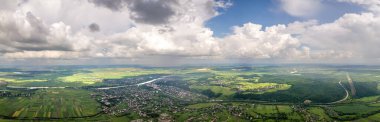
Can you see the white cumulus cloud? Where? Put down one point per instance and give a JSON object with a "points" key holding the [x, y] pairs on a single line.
{"points": [[301, 8]]}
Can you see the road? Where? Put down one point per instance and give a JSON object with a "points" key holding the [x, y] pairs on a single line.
{"points": [[345, 98]]}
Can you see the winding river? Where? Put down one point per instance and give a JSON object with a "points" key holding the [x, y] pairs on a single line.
{"points": [[139, 84], [102, 88]]}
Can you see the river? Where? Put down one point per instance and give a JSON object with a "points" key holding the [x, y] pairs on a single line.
{"points": [[102, 88], [139, 84]]}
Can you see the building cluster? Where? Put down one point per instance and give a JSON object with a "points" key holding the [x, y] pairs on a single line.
{"points": [[5, 93], [148, 100]]}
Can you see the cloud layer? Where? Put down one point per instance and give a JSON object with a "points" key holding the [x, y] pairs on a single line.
{"points": [[176, 28]]}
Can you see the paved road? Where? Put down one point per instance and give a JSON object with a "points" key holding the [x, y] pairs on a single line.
{"points": [[345, 98]]}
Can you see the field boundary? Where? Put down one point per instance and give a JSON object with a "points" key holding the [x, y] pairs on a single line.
{"points": [[52, 118]]}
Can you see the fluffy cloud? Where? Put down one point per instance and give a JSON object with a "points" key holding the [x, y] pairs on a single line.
{"points": [[250, 41], [42, 38], [165, 11], [9, 5], [26, 32], [372, 5], [163, 40], [78, 14], [301, 8], [353, 34], [21, 33]]}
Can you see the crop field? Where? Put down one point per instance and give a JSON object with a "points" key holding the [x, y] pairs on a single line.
{"points": [[322, 116], [52, 103], [357, 109], [224, 112], [372, 118]]}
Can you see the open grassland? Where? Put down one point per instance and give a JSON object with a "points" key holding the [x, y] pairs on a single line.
{"points": [[224, 91], [21, 80], [52, 103], [238, 111], [367, 99], [355, 111], [373, 118], [201, 105], [264, 109], [282, 112], [261, 87]]}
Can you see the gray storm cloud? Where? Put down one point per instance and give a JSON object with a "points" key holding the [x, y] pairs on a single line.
{"points": [[142, 11], [93, 27], [152, 11], [115, 5], [28, 33]]}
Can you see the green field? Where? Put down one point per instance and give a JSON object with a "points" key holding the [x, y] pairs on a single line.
{"points": [[273, 87], [51, 103], [201, 105], [224, 91], [372, 118], [320, 113], [255, 112], [355, 109]]}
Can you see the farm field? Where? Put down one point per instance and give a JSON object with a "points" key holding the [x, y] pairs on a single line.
{"points": [[320, 113], [51, 103]]}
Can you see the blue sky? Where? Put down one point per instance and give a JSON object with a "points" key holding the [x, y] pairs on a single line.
{"points": [[269, 12]]}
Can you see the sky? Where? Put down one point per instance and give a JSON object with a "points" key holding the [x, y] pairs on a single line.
{"points": [[176, 32]]}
